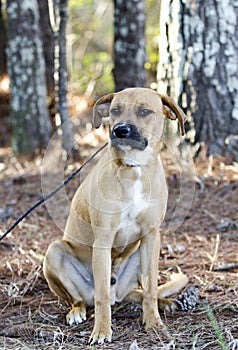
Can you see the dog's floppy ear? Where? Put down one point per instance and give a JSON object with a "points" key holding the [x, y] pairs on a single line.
{"points": [[101, 109], [173, 111]]}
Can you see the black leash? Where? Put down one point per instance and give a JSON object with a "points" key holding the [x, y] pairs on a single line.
{"points": [[43, 200]]}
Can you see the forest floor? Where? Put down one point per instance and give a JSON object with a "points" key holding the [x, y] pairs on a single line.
{"points": [[199, 234]]}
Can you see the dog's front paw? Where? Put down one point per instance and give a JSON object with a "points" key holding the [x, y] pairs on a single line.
{"points": [[101, 336], [152, 320], [154, 324], [76, 315], [151, 316]]}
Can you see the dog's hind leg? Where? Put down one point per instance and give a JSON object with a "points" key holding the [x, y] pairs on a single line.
{"points": [[69, 279], [164, 304], [177, 282]]}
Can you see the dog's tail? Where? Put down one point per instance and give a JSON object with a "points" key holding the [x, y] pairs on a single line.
{"points": [[185, 302]]}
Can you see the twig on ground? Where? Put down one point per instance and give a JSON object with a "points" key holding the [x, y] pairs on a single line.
{"points": [[226, 267], [215, 254]]}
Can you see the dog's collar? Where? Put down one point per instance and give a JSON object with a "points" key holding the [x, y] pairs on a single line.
{"points": [[130, 163], [133, 165], [126, 163], [133, 158]]}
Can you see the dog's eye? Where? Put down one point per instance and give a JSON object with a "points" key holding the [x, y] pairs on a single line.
{"points": [[144, 112], [116, 111]]}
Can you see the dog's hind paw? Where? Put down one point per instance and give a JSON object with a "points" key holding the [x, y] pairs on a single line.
{"points": [[188, 300], [167, 304], [76, 315]]}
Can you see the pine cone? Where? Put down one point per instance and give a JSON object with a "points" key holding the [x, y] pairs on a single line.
{"points": [[188, 300]]}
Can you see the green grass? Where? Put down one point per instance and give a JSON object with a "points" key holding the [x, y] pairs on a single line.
{"points": [[216, 328]]}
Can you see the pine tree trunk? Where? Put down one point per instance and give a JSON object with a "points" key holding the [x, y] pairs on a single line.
{"points": [[198, 65], [3, 41], [31, 124], [129, 43], [48, 40], [58, 23], [68, 139]]}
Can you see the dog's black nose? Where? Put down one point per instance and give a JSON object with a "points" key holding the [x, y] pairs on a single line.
{"points": [[122, 130], [126, 134]]}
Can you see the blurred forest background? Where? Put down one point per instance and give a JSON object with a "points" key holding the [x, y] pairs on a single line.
{"points": [[54, 52], [56, 58]]}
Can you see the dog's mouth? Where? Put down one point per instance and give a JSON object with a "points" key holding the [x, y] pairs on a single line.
{"points": [[126, 136]]}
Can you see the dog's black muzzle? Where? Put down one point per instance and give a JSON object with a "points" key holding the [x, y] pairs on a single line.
{"points": [[127, 135]]}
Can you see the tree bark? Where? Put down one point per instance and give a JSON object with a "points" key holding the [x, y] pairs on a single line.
{"points": [[129, 43], [3, 42], [199, 66], [48, 40], [30, 118], [58, 22], [66, 124]]}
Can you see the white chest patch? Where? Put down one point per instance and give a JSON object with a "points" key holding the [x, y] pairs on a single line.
{"points": [[132, 209]]}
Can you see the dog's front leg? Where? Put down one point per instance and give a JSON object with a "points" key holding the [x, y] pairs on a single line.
{"points": [[150, 249], [102, 332]]}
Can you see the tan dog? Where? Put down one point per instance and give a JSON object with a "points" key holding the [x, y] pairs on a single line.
{"points": [[110, 249]]}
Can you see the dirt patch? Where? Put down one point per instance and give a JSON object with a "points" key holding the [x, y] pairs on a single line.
{"points": [[200, 236]]}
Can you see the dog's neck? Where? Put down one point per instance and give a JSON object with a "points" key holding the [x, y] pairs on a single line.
{"points": [[133, 158]]}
